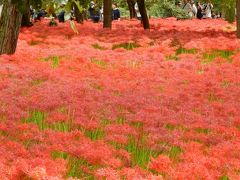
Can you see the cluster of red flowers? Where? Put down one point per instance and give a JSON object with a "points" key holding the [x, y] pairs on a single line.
{"points": [[125, 103]]}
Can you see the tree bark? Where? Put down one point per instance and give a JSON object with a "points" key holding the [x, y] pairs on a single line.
{"points": [[143, 12], [131, 7], [10, 23], [107, 14], [238, 18], [79, 15], [26, 15]]}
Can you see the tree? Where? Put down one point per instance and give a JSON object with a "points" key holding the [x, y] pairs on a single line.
{"points": [[143, 12], [107, 14], [10, 22], [131, 7], [26, 14], [238, 18]]}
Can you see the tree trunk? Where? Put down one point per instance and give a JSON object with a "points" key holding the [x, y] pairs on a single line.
{"points": [[26, 15], [78, 14], [10, 22], [107, 14], [238, 18], [143, 12], [131, 7]]}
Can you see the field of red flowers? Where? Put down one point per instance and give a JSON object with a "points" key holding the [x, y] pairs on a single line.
{"points": [[122, 104]]}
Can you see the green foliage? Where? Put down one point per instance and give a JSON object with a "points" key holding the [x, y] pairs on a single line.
{"points": [[127, 46], [140, 153], [210, 56], [182, 50], [55, 60], [95, 134], [175, 152], [167, 8], [39, 118]]}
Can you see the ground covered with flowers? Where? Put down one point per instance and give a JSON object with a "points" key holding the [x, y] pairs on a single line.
{"points": [[122, 104]]}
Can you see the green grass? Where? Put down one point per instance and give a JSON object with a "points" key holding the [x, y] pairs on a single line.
{"points": [[224, 178], [172, 57], [137, 124], [174, 153], [120, 120], [37, 82], [97, 46], [60, 126], [33, 43], [225, 84], [39, 118], [182, 50], [74, 165], [212, 97], [170, 127], [140, 154], [97, 86], [59, 154], [100, 63], [208, 57], [127, 46], [203, 130], [95, 134], [55, 60]]}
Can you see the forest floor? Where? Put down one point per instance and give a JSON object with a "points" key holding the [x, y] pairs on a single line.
{"points": [[122, 104]]}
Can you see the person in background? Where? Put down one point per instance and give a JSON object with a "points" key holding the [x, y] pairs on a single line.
{"points": [[194, 8], [186, 6], [41, 14], [94, 13], [115, 12], [61, 16], [137, 12], [208, 10], [101, 13], [199, 10]]}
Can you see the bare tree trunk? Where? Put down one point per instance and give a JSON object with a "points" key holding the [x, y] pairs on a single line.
{"points": [[79, 15], [143, 12], [107, 14], [10, 22], [238, 18], [26, 15], [131, 7]]}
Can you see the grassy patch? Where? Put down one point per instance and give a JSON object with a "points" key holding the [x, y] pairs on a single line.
{"points": [[224, 178], [170, 127], [97, 46], [39, 118], [174, 153], [37, 82], [140, 153], [95, 134], [203, 130], [55, 60], [137, 124], [127, 46], [225, 84], [100, 63], [172, 57], [208, 57], [59, 154], [121, 120], [97, 86], [182, 50], [212, 97], [74, 165], [33, 43]]}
